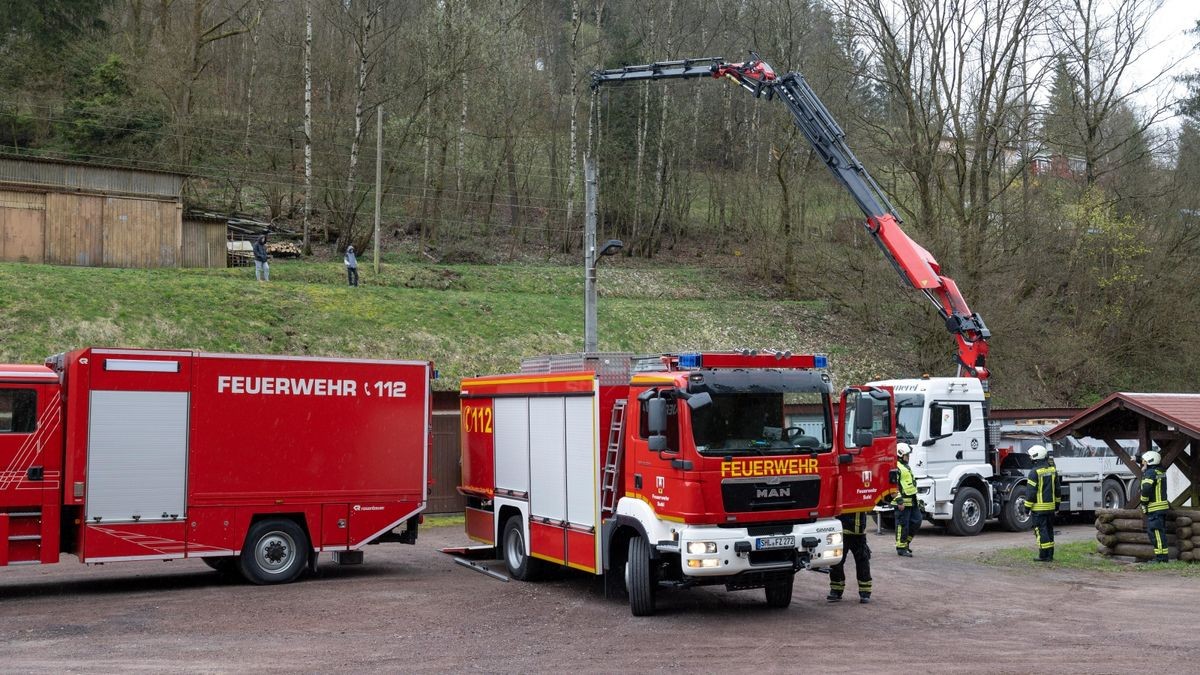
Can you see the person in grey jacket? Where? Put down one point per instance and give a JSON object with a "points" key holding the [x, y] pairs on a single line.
{"points": [[351, 266], [262, 270]]}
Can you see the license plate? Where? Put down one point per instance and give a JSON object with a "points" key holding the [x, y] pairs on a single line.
{"points": [[763, 543]]}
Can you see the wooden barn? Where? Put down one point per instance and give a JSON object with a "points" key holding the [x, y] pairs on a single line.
{"points": [[71, 213]]}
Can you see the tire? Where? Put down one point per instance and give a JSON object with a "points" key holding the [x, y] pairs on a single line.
{"points": [[779, 593], [1112, 494], [521, 566], [639, 577], [276, 552], [970, 512], [1014, 516]]}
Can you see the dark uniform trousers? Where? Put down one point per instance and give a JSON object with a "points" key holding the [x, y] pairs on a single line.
{"points": [[854, 541]]}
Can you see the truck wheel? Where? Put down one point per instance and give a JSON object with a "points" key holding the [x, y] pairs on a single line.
{"points": [[970, 512], [1112, 494], [520, 565], [276, 552], [639, 577], [1014, 516], [779, 593]]}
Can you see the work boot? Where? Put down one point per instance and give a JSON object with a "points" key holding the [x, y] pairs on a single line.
{"points": [[1041, 559], [904, 552], [834, 596], [1161, 558], [864, 598]]}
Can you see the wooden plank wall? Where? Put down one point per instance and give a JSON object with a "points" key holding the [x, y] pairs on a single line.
{"points": [[444, 469], [22, 226], [74, 229], [203, 244], [89, 230], [141, 233]]}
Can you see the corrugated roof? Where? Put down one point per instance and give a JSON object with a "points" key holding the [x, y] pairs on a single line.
{"points": [[61, 175], [1181, 411]]}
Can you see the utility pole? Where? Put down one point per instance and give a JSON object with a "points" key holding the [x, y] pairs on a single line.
{"points": [[589, 255], [378, 178]]}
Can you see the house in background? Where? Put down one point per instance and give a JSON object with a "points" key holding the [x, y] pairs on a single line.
{"points": [[73, 213]]}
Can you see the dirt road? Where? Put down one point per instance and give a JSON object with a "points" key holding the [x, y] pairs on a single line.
{"points": [[410, 608]]}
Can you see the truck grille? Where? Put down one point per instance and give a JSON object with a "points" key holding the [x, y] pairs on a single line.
{"points": [[742, 495]]}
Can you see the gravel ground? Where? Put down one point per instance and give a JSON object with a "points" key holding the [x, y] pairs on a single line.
{"points": [[411, 609]]}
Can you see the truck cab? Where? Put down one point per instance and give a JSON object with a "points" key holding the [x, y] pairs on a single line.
{"points": [[31, 457], [942, 418]]}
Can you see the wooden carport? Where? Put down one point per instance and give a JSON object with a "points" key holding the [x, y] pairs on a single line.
{"points": [[1170, 421]]}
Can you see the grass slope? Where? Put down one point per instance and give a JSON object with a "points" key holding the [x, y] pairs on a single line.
{"points": [[469, 319], [1081, 555]]}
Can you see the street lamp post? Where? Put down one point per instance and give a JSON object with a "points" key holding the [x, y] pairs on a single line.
{"points": [[591, 257]]}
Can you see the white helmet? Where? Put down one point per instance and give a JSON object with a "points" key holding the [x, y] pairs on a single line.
{"points": [[1151, 458], [903, 450], [1037, 452]]}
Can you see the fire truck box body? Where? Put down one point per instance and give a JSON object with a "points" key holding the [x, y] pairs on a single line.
{"points": [[155, 455], [559, 467]]}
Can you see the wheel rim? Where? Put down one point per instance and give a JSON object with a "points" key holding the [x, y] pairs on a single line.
{"points": [[1112, 499], [971, 513], [1023, 513], [275, 552], [514, 549]]}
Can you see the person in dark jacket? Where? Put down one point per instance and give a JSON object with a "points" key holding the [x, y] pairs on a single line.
{"points": [[262, 269], [854, 540], [351, 266], [1154, 504], [1042, 499], [908, 507]]}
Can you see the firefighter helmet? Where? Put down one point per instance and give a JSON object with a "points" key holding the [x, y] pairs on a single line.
{"points": [[1037, 452], [1151, 458], [903, 450]]}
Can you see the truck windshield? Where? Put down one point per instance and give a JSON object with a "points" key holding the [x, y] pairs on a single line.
{"points": [[763, 424], [909, 409]]}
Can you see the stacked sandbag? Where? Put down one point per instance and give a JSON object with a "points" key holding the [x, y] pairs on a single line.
{"points": [[1123, 532]]}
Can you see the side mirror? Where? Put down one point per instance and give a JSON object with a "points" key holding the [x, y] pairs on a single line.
{"points": [[864, 411], [656, 412], [700, 400], [657, 443], [863, 439], [935, 421]]}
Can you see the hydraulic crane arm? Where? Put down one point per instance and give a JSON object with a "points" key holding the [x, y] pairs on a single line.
{"points": [[912, 262]]}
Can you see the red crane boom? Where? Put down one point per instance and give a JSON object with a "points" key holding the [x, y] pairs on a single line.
{"points": [[912, 262]]}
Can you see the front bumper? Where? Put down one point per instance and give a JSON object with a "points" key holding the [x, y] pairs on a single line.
{"points": [[709, 551]]}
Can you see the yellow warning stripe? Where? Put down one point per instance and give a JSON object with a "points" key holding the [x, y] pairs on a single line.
{"points": [[520, 379]]}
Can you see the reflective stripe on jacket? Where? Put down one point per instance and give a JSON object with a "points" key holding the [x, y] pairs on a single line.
{"points": [[854, 523], [1043, 483], [1154, 490]]}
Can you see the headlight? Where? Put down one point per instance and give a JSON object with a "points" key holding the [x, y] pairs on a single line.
{"points": [[834, 539], [832, 553], [698, 547]]}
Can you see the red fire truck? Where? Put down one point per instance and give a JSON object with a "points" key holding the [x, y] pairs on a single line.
{"points": [[672, 470], [252, 463]]}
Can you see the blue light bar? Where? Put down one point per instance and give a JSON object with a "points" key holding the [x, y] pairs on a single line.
{"points": [[820, 361], [691, 360]]}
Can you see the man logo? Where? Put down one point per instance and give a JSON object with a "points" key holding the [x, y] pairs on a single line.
{"points": [[867, 476], [765, 493], [660, 483]]}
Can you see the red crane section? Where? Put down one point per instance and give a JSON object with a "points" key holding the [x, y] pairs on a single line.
{"points": [[915, 265]]}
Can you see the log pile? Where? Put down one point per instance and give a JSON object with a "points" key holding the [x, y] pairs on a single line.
{"points": [[1123, 532]]}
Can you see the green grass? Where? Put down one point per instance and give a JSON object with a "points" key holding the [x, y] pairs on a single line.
{"points": [[444, 521], [469, 319], [1081, 555]]}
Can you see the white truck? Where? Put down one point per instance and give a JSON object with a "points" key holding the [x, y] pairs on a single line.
{"points": [[969, 471]]}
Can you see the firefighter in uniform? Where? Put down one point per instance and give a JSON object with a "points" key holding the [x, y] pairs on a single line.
{"points": [[854, 540], [908, 509], [1042, 500], [1154, 503]]}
